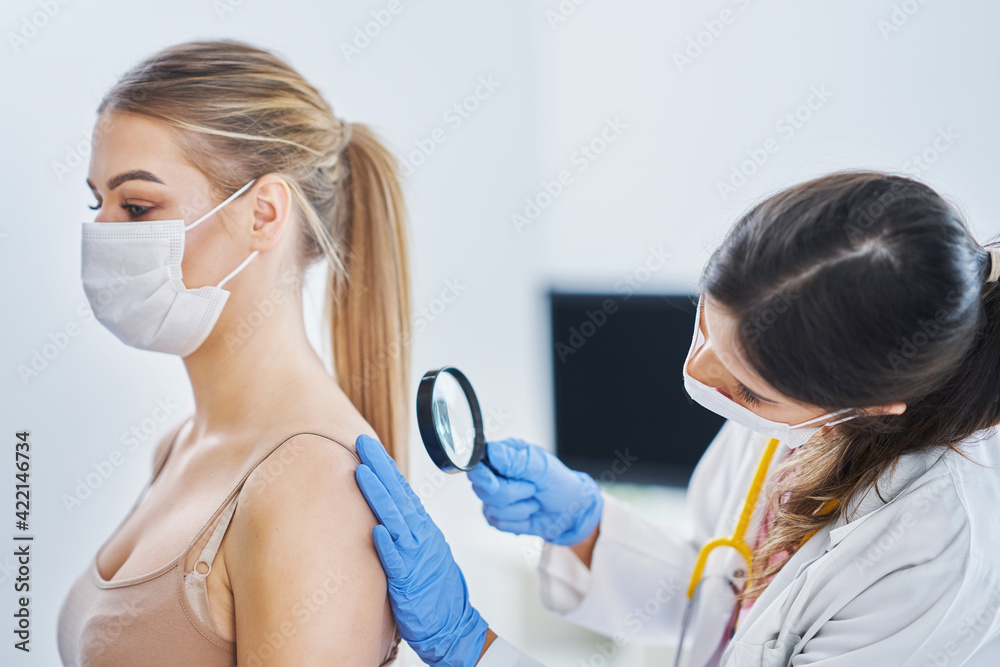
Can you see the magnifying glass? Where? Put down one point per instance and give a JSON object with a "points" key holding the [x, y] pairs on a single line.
{"points": [[450, 422]]}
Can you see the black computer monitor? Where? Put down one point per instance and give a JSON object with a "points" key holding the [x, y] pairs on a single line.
{"points": [[621, 411]]}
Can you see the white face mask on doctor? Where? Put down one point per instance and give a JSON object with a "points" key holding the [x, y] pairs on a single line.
{"points": [[131, 274], [792, 435]]}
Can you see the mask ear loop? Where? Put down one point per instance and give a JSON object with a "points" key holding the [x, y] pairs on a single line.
{"points": [[228, 199], [213, 211], [844, 419], [838, 412], [238, 268]]}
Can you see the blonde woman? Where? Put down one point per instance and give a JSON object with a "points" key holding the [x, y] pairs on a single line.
{"points": [[219, 176]]}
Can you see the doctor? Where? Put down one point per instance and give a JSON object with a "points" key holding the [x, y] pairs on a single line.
{"points": [[849, 329]]}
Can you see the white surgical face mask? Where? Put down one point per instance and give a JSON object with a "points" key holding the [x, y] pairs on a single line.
{"points": [[792, 435], [131, 274]]}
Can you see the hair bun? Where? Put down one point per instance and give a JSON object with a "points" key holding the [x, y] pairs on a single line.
{"points": [[994, 265]]}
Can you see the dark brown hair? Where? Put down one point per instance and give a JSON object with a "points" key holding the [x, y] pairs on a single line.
{"points": [[852, 290]]}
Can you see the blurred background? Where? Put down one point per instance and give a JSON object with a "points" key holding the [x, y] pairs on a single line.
{"points": [[560, 145]]}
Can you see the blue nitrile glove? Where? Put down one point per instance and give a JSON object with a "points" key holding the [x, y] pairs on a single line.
{"points": [[426, 588], [536, 494]]}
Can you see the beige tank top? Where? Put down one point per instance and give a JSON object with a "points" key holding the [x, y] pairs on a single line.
{"points": [[161, 618]]}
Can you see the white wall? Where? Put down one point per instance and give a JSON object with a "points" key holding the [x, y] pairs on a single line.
{"points": [[685, 128]]}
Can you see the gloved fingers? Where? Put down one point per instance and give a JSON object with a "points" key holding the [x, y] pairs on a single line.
{"points": [[483, 477], [373, 454], [516, 459], [388, 462], [384, 505], [589, 488], [518, 511], [414, 498], [373, 450], [509, 492], [391, 561]]}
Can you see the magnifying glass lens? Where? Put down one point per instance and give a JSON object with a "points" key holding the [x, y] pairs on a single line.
{"points": [[450, 422], [453, 420]]}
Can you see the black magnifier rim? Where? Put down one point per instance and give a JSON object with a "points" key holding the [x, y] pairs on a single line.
{"points": [[425, 420]]}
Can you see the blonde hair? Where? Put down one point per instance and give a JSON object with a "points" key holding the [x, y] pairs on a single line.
{"points": [[242, 112]]}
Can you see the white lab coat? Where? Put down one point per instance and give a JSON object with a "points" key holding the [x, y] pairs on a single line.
{"points": [[912, 578]]}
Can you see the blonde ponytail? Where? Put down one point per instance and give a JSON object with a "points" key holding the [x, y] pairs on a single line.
{"points": [[241, 112], [370, 301]]}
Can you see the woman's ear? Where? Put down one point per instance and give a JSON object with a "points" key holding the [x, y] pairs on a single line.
{"points": [[272, 210], [887, 409]]}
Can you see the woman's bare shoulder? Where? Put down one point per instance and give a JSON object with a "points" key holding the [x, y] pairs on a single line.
{"points": [[302, 529], [309, 469]]}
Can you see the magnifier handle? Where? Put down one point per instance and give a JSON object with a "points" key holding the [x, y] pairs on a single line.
{"points": [[486, 462]]}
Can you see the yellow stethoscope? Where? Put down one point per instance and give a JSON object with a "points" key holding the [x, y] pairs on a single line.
{"points": [[736, 541]]}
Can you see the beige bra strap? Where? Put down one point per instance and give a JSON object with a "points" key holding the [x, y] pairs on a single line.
{"points": [[212, 547]]}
